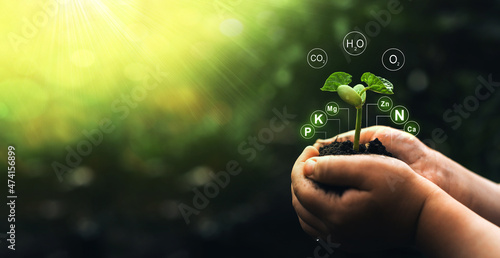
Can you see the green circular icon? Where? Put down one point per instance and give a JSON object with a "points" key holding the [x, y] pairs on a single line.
{"points": [[318, 118], [307, 131], [384, 104], [412, 127], [332, 108], [399, 115]]}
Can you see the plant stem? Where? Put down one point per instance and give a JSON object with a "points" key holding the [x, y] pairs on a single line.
{"points": [[359, 117], [364, 90]]}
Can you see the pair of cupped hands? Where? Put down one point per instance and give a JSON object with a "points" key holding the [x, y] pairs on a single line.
{"points": [[385, 196]]}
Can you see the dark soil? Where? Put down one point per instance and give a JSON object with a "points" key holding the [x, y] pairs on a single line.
{"points": [[345, 148]]}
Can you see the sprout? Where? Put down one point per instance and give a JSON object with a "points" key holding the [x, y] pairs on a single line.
{"points": [[356, 96]]}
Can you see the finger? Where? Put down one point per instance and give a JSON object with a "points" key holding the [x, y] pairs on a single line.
{"points": [[313, 232], [401, 144], [310, 195], [328, 206], [333, 170], [317, 201], [308, 152], [356, 171], [306, 216]]}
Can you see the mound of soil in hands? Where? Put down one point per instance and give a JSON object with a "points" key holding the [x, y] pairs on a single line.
{"points": [[345, 148]]}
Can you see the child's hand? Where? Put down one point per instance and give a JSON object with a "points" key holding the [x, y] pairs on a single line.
{"points": [[380, 208], [425, 161], [403, 146], [475, 192]]}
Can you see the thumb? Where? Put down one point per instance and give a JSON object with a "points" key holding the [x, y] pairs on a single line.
{"points": [[353, 171]]}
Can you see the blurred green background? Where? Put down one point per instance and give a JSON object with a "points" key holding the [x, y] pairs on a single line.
{"points": [[183, 84]]}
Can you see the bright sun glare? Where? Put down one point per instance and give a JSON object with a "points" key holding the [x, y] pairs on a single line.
{"points": [[66, 63]]}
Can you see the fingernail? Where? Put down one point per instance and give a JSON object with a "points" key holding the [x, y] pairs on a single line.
{"points": [[309, 167]]}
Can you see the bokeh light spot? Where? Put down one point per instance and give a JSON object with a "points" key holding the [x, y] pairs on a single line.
{"points": [[81, 176], [231, 27], [417, 80]]}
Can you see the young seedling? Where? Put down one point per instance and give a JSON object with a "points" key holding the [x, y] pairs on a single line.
{"points": [[356, 96]]}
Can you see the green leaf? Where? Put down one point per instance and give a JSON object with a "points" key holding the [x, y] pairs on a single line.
{"points": [[377, 84], [335, 80], [349, 95]]}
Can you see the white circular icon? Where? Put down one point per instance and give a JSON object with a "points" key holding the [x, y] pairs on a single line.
{"points": [[354, 43], [317, 58], [393, 59]]}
